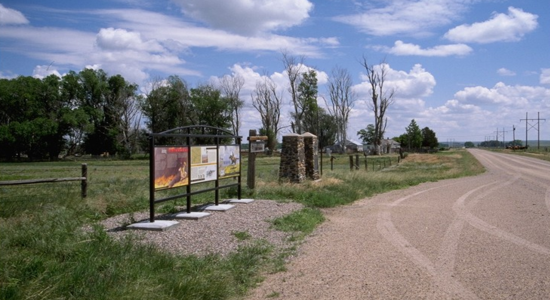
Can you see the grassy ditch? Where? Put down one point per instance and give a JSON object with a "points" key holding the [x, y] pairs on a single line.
{"points": [[46, 256], [542, 154]]}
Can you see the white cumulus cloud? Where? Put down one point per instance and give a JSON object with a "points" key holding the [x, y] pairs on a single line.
{"points": [[245, 16], [416, 83], [518, 96], [501, 27], [10, 16], [121, 39], [402, 49], [545, 76], [45, 71], [505, 72]]}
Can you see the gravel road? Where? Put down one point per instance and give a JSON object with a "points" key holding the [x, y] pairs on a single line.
{"points": [[482, 237]]}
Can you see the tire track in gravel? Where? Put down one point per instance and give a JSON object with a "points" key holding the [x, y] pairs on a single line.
{"points": [[444, 282], [444, 285], [463, 213], [349, 261]]}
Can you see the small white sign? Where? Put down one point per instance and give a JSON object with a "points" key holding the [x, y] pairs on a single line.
{"points": [[257, 147]]}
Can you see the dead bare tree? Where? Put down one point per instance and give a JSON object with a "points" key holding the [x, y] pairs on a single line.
{"points": [[293, 66], [342, 99], [267, 102], [380, 99], [231, 88]]}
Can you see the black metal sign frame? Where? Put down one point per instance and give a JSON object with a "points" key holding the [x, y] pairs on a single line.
{"points": [[191, 134]]}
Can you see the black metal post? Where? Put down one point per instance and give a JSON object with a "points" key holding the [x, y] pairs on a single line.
{"points": [[151, 179], [188, 187], [240, 170], [217, 183]]}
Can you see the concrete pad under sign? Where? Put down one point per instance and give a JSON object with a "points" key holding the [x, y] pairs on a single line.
{"points": [[245, 201], [191, 215], [220, 207], [158, 225]]}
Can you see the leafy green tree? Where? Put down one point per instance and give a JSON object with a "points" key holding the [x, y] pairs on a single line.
{"points": [[121, 114], [92, 98], [167, 105], [35, 117], [40, 118], [429, 139], [469, 145], [414, 135], [328, 129], [516, 143], [402, 139], [77, 117], [308, 110], [210, 108], [367, 135]]}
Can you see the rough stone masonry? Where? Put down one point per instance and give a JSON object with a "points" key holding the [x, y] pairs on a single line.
{"points": [[299, 158]]}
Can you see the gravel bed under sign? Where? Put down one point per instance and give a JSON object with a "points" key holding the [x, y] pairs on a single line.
{"points": [[214, 234]]}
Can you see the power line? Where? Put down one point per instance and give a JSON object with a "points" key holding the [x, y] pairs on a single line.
{"points": [[529, 125]]}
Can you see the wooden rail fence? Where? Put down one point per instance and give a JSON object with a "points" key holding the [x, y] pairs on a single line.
{"points": [[83, 181]]}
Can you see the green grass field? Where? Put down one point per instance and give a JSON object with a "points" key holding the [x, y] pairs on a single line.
{"points": [[45, 255]]}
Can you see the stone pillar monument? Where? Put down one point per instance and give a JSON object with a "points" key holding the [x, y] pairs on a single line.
{"points": [[311, 151], [293, 159]]}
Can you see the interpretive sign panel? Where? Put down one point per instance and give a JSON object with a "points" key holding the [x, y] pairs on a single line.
{"points": [[203, 164], [171, 165], [230, 161], [257, 147]]}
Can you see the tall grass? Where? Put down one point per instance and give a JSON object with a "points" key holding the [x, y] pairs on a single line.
{"points": [[45, 253], [342, 186]]}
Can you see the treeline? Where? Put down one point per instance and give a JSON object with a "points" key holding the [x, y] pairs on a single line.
{"points": [[40, 118], [416, 138], [92, 113]]}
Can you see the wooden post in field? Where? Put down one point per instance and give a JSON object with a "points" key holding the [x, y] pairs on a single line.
{"points": [[351, 163], [255, 144], [84, 182], [251, 174]]}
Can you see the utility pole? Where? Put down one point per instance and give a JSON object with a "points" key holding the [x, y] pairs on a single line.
{"points": [[503, 134], [529, 125]]}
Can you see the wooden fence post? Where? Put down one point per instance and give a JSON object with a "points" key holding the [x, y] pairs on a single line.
{"points": [[84, 182], [251, 174]]}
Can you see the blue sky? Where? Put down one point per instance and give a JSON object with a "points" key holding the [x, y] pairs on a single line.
{"points": [[463, 68]]}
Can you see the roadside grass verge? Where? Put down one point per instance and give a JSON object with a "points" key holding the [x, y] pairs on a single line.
{"points": [[45, 254], [342, 186], [543, 154]]}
